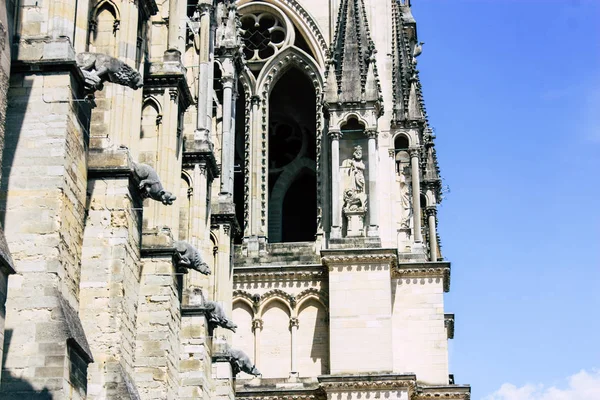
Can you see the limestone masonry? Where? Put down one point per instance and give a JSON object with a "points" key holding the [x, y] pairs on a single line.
{"points": [[218, 199]]}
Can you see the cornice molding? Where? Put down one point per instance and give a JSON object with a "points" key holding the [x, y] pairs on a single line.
{"points": [[450, 392], [439, 269], [262, 274], [331, 258], [368, 385]]}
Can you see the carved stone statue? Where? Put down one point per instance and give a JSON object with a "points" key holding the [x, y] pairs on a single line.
{"points": [[150, 185], [418, 49], [355, 198], [98, 68], [405, 201], [241, 362], [216, 315], [187, 256]]}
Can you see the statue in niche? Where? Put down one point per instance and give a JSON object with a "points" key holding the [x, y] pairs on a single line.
{"points": [[98, 68], [150, 185], [405, 201], [187, 256], [355, 198], [216, 315], [241, 362]]}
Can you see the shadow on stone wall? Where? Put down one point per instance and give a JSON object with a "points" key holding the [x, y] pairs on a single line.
{"points": [[12, 387]]}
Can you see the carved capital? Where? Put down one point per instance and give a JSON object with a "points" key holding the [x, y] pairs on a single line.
{"points": [[255, 100], [335, 135], [204, 8], [227, 81], [392, 153], [371, 133], [414, 152], [257, 323], [294, 322], [431, 211], [174, 94]]}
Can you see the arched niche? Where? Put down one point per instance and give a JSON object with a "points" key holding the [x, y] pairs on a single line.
{"points": [[401, 153], [243, 337], [275, 340], [184, 201], [292, 157], [313, 338], [149, 130], [104, 24]]}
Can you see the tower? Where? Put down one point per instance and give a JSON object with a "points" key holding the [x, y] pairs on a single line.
{"points": [[196, 191]]}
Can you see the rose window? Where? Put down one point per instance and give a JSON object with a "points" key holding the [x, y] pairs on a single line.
{"points": [[263, 35]]}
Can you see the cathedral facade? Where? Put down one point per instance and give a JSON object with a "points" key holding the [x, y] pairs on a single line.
{"points": [[218, 199]]}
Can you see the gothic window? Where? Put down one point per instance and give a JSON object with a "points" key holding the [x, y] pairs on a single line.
{"points": [[292, 155], [282, 82]]}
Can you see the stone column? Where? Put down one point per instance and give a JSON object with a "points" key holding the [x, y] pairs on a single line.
{"points": [[257, 325], [255, 168], [177, 26], [336, 214], [294, 324], [203, 71], [373, 209], [416, 189], [431, 219], [227, 155], [211, 74], [199, 207]]}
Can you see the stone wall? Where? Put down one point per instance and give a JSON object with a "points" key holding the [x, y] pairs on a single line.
{"points": [[43, 193], [110, 276], [420, 338]]}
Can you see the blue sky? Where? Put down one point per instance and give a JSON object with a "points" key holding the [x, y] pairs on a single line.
{"points": [[513, 91]]}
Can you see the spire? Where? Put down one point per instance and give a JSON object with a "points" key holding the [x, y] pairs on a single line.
{"points": [[352, 55], [407, 99]]}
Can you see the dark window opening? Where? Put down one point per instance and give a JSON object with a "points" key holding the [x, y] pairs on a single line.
{"points": [[240, 159], [292, 155], [401, 143], [300, 209]]}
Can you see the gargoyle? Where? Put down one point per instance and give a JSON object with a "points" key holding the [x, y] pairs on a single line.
{"points": [[98, 68], [149, 184], [241, 362], [216, 315], [187, 256]]}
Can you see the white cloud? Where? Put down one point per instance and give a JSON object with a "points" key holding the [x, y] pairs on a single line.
{"points": [[581, 386]]}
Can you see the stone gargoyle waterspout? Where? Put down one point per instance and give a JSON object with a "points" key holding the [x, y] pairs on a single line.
{"points": [[216, 315], [98, 68], [187, 256], [150, 185], [241, 362]]}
